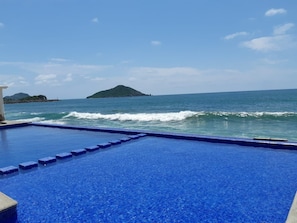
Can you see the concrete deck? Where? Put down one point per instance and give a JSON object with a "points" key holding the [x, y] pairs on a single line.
{"points": [[292, 216], [11, 123], [7, 208]]}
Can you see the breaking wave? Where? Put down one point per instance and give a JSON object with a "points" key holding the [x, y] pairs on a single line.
{"points": [[143, 117], [178, 116]]}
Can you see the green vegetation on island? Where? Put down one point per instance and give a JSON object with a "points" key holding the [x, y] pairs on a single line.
{"points": [[118, 91], [25, 98]]}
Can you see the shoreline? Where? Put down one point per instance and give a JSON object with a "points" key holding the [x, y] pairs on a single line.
{"points": [[30, 101]]}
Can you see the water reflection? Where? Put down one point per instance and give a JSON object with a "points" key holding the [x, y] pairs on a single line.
{"points": [[4, 141]]}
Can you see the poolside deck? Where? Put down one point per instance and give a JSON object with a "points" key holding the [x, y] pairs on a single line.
{"points": [[8, 123], [292, 216], [7, 207]]}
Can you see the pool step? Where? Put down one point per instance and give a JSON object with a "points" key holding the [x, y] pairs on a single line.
{"points": [[92, 148], [115, 142], [104, 145], [8, 170], [28, 165], [47, 160], [78, 152], [62, 156]]}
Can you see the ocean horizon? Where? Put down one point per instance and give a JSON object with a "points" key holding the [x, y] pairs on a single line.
{"points": [[244, 114]]}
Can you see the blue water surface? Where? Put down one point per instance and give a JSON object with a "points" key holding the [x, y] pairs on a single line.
{"points": [[160, 180], [271, 114], [30, 143]]}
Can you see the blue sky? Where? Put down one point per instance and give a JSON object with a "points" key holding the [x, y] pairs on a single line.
{"points": [[71, 49]]}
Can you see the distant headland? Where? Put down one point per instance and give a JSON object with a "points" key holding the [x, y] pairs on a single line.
{"points": [[25, 98], [118, 91]]}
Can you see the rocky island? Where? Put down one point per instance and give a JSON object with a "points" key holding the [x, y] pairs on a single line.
{"points": [[118, 91], [25, 98]]}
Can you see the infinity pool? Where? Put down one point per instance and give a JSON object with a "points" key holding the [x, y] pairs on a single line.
{"points": [[158, 179], [32, 142]]}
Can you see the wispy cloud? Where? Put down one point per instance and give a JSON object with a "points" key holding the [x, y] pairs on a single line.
{"points": [[270, 43], [280, 40], [59, 60], [68, 78], [272, 61], [156, 71], [13, 80], [1, 25], [49, 79], [95, 20], [155, 43], [57, 68], [273, 12], [282, 29], [50, 74], [234, 35], [98, 79]]}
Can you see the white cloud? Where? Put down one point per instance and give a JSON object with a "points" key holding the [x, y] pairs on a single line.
{"points": [[13, 80], [280, 30], [272, 61], [95, 20], [68, 78], [277, 42], [59, 60], [155, 43], [270, 43], [156, 71], [57, 68], [46, 79], [234, 35], [272, 12], [98, 79]]}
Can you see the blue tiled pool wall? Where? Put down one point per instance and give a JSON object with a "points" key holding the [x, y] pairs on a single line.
{"points": [[160, 179]]}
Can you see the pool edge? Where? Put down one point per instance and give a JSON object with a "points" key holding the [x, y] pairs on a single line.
{"points": [[292, 216], [8, 208], [286, 145]]}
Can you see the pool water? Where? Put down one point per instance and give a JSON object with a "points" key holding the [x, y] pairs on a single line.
{"points": [[30, 143], [155, 179]]}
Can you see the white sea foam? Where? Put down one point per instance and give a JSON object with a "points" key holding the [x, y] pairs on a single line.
{"points": [[144, 117], [58, 122], [252, 114], [35, 119], [171, 116]]}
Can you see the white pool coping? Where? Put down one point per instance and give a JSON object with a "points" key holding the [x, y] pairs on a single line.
{"points": [[292, 216], [7, 207]]}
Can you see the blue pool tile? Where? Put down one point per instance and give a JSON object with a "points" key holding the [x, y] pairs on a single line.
{"points": [[78, 152], [28, 165], [8, 170], [92, 148], [47, 160], [62, 156], [104, 145]]}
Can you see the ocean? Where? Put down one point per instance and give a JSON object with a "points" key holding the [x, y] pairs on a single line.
{"points": [[249, 114]]}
